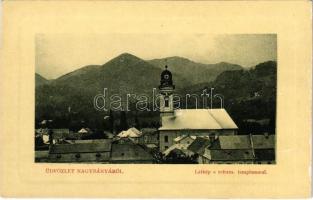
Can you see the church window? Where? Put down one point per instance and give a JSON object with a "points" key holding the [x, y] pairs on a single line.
{"points": [[166, 138], [166, 102]]}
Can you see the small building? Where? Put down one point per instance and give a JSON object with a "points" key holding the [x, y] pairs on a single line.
{"points": [[85, 131], [150, 136], [91, 152], [199, 145], [183, 148], [231, 156], [41, 156], [184, 139], [180, 146], [240, 149], [132, 133], [58, 134], [63, 131], [264, 148], [85, 141], [130, 152]]}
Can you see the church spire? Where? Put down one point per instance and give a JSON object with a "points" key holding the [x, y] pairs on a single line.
{"points": [[166, 79], [166, 90]]}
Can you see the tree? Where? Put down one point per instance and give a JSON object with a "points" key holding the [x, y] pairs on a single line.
{"points": [[123, 121], [137, 124], [111, 122]]}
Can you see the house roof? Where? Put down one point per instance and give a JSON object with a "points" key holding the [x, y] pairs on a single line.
{"points": [[235, 142], [87, 141], [231, 155], [151, 145], [244, 142], [129, 152], [41, 154], [132, 132], [265, 154], [84, 130], [235, 147], [263, 142], [69, 136], [175, 146], [198, 119], [177, 151], [41, 131], [81, 148], [181, 137], [149, 131], [199, 144]]}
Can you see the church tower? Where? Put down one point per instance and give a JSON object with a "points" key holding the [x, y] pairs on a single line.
{"points": [[166, 89]]}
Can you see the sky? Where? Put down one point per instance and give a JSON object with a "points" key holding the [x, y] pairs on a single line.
{"points": [[58, 54]]}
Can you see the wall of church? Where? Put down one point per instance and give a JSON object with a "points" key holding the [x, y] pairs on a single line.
{"points": [[167, 136], [166, 103]]}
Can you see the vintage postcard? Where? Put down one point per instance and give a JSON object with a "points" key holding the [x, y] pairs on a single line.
{"points": [[156, 99]]}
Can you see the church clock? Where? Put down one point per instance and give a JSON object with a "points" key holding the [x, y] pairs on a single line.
{"points": [[166, 89]]}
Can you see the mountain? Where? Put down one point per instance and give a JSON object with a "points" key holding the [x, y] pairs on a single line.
{"points": [[39, 80], [193, 71], [244, 91], [125, 74], [249, 95]]}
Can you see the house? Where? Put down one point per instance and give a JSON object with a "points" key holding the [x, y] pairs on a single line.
{"points": [[85, 131], [197, 122], [44, 134], [123, 140], [85, 141], [73, 136], [93, 151], [198, 145], [180, 147], [264, 148], [41, 156], [223, 149], [240, 149], [132, 133], [184, 139], [63, 131], [129, 152], [231, 156], [183, 148], [150, 136]]}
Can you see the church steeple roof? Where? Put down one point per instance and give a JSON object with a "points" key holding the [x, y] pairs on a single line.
{"points": [[166, 78]]}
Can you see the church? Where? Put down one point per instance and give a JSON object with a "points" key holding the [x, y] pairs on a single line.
{"points": [[195, 122]]}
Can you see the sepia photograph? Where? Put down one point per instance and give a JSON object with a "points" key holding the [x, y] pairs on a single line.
{"points": [[156, 99], [199, 99]]}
